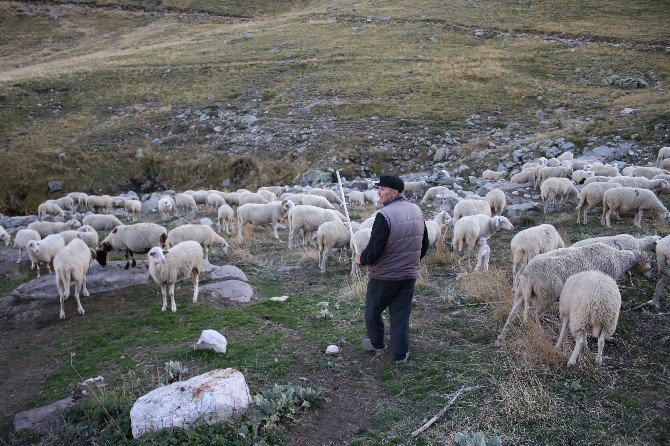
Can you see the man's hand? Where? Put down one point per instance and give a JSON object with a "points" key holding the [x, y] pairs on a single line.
{"points": [[357, 259]]}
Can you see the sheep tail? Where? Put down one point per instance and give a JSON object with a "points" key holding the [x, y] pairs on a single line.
{"points": [[164, 240]]}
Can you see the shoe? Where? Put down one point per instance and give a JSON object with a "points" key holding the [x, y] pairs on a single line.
{"points": [[402, 358], [367, 344]]}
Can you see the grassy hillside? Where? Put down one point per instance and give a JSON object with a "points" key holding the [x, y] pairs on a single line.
{"points": [[86, 89]]}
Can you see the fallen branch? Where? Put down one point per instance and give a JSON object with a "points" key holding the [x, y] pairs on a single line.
{"points": [[451, 402], [649, 302]]}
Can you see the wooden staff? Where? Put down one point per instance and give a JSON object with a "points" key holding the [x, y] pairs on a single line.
{"points": [[346, 212]]}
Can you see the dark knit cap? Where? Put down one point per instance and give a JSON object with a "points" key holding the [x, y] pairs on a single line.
{"points": [[392, 182]]}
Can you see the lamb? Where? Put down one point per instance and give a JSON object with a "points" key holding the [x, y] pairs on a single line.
{"points": [[233, 199], [549, 172], [483, 254], [327, 193], [436, 226], [225, 216], [204, 235], [308, 219], [413, 187], [542, 279], [186, 203], [356, 197], [433, 192], [561, 189], [45, 228], [215, 200], [262, 214], [648, 172], [469, 228], [4, 236], [656, 186], [85, 233], [47, 208], [22, 237], [663, 257], [102, 222], [133, 207], [333, 235], [624, 199], [166, 205], [44, 251], [358, 245], [590, 302], [169, 267], [72, 263], [580, 176], [138, 238], [491, 175], [318, 201], [623, 241], [592, 195], [496, 200], [79, 198], [604, 170], [525, 176], [471, 207], [527, 244], [369, 222], [101, 203], [250, 198]]}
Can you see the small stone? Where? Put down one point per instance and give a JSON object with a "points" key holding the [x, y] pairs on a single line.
{"points": [[527, 196], [279, 298], [217, 129], [286, 269], [515, 192], [536, 197], [157, 142], [627, 111], [332, 350], [211, 340], [55, 186]]}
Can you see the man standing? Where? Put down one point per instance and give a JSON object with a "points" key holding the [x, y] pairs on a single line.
{"points": [[398, 241]]}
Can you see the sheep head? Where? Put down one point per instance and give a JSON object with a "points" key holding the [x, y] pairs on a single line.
{"points": [[502, 223], [157, 254], [6, 238], [73, 224]]}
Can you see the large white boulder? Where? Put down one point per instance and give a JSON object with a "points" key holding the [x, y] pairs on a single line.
{"points": [[211, 398]]}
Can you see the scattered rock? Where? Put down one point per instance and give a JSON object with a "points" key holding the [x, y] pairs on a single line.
{"points": [[234, 290], [45, 419], [332, 350], [210, 398], [627, 111], [279, 298], [441, 154], [211, 340], [157, 142], [518, 209], [223, 272], [17, 222], [54, 186], [312, 177]]}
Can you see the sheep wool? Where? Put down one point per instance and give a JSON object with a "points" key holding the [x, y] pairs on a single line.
{"points": [[663, 257], [262, 214], [590, 302], [318, 201], [225, 217], [467, 207], [4, 236], [307, 219], [468, 229], [496, 200], [557, 189], [204, 235], [648, 172], [356, 197], [165, 206], [623, 241], [333, 235], [358, 245], [22, 237], [138, 238], [491, 175], [167, 268], [531, 242], [434, 191], [45, 228], [592, 195], [44, 251], [71, 264], [47, 208], [102, 222], [327, 193], [185, 203], [626, 199]]}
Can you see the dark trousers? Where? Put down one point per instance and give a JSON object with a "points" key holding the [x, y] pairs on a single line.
{"points": [[396, 295]]}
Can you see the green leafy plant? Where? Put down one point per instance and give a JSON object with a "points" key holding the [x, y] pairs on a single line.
{"points": [[175, 370], [270, 406], [475, 439]]}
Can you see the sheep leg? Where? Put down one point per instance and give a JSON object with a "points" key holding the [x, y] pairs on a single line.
{"points": [[206, 253], [639, 218], [195, 276], [607, 219], [49, 267], [19, 259], [127, 261], [324, 258], [580, 339], [63, 295], [601, 347], [164, 293], [660, 287], [290, 238], [80, 309], [84, 290], [173, 305], [240, 227], [586, 211], [37, 265], [512, 314], [274, 227], [564, 328]]}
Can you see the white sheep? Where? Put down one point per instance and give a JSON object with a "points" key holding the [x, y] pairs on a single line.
{"points": [[277, 190], [664, 164], [596, 179], [358, 245], [603, 170], [78, 198], [268, 195], [47, 208], [102, 222], [436, 226], [185, 203], [199, 196], [491, 175], [295, 198], [169, 267], [434, 191], [590, 302], [333, 235], [663, 258], [553, 162], [469, 228], [307, 219], [623, 241], [99, 203], [580, 176], [525, 176], [371, 196], [4, 236], [233, 199], [133, 207], [663, 153], [262, 214], [165, 206], [327, 193], [22, 237], [250, 198], [467, 207], [541, 281], [531, 242], [215, 200], [71, 264], [204, 235], [549, 172], [565, 156], [657, 186], [44, 251], [357, 197], [85, 233], [648, 172], [45, 228], [225, 215], [412, 188], [496, 200], [483, 255], [561, 189], [592, 195], [138, 238], [317, 200], [625, 199]]}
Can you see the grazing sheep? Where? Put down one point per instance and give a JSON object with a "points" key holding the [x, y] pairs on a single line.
{"points": [[204, 235], [656, 186], [295, 198], [268, 195], [47, 208], [233, 199], [580, 176], [225, 216], [215, 200], [356, 197], [469, 228], [597, 179], [592, 195], [250, 198], [333, 235], [199, 196], [434, 191], [623, 241], [138, 238], [45, 228], [65, 203], [277, 190], [185, 203], [663, 257], [308, 219], [525, 176], [72, 263], [102, 222], [553, 162], [412, 188], [565, 156], [358, 245], [663, 153], [648, 172], [603, 170], [169, 267], [496, 200], [549, 172], [99, 203], [467, 207], [44, 251], [327, 193], [491, 175], [624, 199], [262, 214], [22, 237], [542, 279], [436, 226], [133, 207], [165, 206], [561, 189], [369, 222], [4, 236], [85, 233], [483, 255], [533, 241], [371, 196], [79, 198], [590, 302], [317, 200]]}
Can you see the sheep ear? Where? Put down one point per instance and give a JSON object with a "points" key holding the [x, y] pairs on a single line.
{"points": [[115, 230], [94, 255]]}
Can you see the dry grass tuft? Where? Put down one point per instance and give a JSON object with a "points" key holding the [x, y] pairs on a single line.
{"points": [[523, 397], [534, 345], [492, 286], [354, 287]]}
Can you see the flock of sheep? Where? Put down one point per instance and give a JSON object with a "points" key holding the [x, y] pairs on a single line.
{"points": [[581, 277]]}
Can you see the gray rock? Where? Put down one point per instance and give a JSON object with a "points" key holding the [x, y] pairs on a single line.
{"points": [[217, 129], [54, 186], [151, 204], [660, 126], [234, 290], [44, 419], [627, 111], [313, 177], [248, 120], [566, 146], [463, 168], [17, 222], [442, 175], [604, 152], [515, 210], [206, 222], [631, 82], [223, 272], [157, 142], [441, 154]]}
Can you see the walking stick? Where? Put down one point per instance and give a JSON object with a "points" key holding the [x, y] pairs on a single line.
{"points": [[346, 212]]}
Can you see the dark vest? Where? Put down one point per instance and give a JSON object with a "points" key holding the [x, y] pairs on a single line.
{"points": [[401, 256]]}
